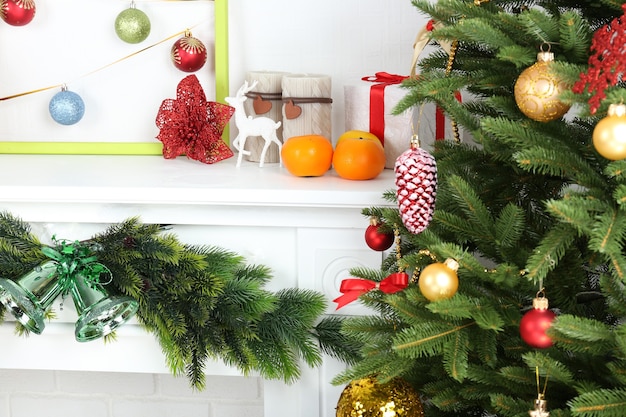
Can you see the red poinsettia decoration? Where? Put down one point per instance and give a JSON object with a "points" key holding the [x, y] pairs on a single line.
{"points": [[193, 126], [606, 64]]}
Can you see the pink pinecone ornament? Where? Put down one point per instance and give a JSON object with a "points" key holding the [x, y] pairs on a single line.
{"points": [[416, 183]]}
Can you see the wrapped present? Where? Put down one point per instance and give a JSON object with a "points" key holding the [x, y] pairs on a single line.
{"points": [[369, 107]]}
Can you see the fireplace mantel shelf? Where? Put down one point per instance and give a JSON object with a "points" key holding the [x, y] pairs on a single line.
{"points": [[309, 231]]}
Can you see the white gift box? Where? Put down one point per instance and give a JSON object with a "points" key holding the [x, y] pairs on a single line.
{"points": [[429, 123]]}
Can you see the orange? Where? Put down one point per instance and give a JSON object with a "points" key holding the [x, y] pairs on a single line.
{"points": [[358, 156], [358, 134], [307, 155]]}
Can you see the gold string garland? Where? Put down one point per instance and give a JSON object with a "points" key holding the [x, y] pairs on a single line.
{"points": [[187, 30]]}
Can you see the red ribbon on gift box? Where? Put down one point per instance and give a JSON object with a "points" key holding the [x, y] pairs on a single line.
{"points": [[353, 288], [377, 105], [440, 119], [377, 100]]}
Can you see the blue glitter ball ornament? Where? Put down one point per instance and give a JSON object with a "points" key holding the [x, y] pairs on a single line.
{"points": [[66, 107]]}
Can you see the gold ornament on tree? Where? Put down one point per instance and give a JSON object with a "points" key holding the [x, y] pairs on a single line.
{"points": [[369, 398], [538, 88], [540, 409], [609, 135], [439, 281]]}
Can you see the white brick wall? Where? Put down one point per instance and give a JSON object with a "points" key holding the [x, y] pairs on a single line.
{"points": [[30, 393]]}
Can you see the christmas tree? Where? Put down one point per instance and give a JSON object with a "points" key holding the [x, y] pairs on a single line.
{"points": [[528, 212]]}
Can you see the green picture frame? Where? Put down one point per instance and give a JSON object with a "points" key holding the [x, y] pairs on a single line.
{"points": [[138, 148]]}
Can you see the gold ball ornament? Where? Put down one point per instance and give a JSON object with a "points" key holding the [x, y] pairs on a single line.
{"points": [[609, 135], [368, 398], [439, 281], [538, 88]]}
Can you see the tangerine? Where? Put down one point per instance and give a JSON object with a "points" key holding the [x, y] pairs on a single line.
{"points": [[307, 155], [359, 156]]}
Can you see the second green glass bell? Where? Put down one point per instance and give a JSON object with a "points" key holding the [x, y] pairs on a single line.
{"points": [[99, 313]]}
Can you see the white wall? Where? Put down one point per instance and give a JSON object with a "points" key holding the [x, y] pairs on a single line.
{"points": [[346, 39], [104, 394], [73, 42]]}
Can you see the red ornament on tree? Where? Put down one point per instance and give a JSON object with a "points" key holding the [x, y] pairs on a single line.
{"points": [[535, 323], [416, 182], [376, 239], [17, 12], [188, 53]]}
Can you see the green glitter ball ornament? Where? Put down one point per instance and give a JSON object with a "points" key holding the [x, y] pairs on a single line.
{"points": [[369, 398], [132, 25]]}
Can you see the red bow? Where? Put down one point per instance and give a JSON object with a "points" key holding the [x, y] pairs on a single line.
{"points": [[377, 100], [353, 288]]}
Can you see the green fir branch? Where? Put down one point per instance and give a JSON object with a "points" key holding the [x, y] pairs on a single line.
{"points": [[582, 335], [549, 252], [616, 170], [336, 343], [608, 232], [426, 339], [599, 403], [539, 26], [549, 368], [577, 211], [455, 356], [574, 36], [509, 406]]}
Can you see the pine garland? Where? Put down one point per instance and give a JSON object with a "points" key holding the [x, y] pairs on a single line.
{"points": [[202, 303]]}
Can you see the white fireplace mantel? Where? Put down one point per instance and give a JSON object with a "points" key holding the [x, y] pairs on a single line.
{"points": [[309, 231]]}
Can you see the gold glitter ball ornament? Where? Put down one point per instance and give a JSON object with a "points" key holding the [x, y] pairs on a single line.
{"points": [[538, 88], [368, 398]]}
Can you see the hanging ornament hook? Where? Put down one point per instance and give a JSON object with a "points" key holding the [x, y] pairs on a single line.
{"points": [[541, 405], [415, 141]]}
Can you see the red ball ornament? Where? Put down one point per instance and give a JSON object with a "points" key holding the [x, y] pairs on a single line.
{"points": [[535, 323], [376, 239], [17, 12], [188, 53]]}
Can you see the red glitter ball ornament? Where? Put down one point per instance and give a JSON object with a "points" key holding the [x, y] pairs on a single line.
{"points": [[17, 12], [188, 53]]}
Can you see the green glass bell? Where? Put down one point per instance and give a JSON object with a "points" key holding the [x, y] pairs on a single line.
{"points": [[99, 313], [31, 295]]}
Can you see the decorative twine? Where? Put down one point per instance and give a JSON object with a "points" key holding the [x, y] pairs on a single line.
{"points": [[265, 96], [183, 32], [419, 45], [541, 393]]}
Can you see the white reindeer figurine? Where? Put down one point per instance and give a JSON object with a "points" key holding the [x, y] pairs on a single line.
{"points": [[252, 126]]}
